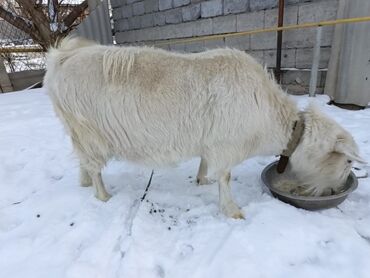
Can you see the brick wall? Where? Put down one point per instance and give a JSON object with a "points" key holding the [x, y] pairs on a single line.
{"points": [[151, 21]]}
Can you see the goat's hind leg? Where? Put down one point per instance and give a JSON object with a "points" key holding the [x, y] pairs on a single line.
{"points": [[90, 171], [85, 178], [90, 174], [227, 204], [98, 184], [93, 168]]}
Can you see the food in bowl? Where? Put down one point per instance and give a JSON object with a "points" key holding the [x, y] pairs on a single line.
{"points": [[293, 187], [287, 189]]}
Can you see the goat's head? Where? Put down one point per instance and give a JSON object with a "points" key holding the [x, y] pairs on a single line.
{"points": [[322, 161]]}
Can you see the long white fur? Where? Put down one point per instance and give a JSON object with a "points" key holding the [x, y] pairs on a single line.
{"points": [[155, 107]]}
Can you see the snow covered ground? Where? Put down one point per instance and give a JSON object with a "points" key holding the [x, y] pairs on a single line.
{"points": [[50, 227]]}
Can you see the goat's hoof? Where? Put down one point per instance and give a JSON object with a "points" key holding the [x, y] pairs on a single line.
{"points": [[203, 181], [233, 211], [238, 215], [86, 184], [103, 197]]}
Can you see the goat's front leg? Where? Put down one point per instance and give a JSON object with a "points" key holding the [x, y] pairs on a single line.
{"points": [[202, 172], [227, 204]]}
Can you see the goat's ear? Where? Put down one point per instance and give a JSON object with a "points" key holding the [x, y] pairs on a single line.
{"points": [[351, 153]]}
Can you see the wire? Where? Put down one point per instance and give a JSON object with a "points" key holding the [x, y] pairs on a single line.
{"points": [[147, 187], [272, 29]]}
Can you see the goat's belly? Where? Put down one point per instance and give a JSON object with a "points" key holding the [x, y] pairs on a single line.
{"points": [[157, 156]]}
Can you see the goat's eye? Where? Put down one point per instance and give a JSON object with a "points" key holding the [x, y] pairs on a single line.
{"points": [[349, 161]]}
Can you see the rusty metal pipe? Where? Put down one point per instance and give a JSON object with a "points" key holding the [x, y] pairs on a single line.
{"points": [[279, 41]]}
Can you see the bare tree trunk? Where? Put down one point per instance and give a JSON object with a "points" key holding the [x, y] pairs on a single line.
{"points": [[40, 22], [19, 23], [43, 26]]}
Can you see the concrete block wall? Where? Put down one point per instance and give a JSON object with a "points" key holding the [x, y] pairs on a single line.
{"points": [[153, 21]]}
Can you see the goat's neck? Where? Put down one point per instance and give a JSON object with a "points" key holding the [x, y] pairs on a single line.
{"points": [[286, 119]]}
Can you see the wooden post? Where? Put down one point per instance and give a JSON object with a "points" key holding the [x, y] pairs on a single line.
{"points": [[5, 84], [315, 62]]}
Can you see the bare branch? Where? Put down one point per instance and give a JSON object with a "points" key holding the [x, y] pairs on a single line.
{"points": [[74, 14], [41, 23], [42, 20], [15, 20]]}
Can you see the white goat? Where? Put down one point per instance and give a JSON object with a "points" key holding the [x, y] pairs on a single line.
{"points": [[154, 107]]}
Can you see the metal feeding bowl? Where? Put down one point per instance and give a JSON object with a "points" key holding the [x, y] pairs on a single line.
{"points": [[270, 177]]}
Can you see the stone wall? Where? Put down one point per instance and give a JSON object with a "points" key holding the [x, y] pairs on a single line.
{"points": [[153, 21]]}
